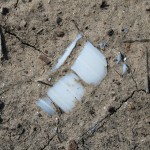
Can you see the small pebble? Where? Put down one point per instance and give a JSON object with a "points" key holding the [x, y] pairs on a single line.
{"points": [[55, 129], [23, 23], [127, 47], [46, 51], [125, 59], [1, 105], [113, 93], [33, 28], [1, 120], [72, 145], [60, 34], [125, 30], [147, 7], [19, 125], [126, 103], [46, 19], [86, 28], [104, 5], [102, 45], [26, 72], [39, 114], [131, 106], [111, 110], [92, 111], [33, 129], [49, 79], [110, 32], [4, 11], [104, 108], [117, 82], [58, 20], [45, 59], [20, 130], [57, 120]]}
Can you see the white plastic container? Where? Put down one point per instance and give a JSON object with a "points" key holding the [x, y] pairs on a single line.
{"points": [[90, 67]]}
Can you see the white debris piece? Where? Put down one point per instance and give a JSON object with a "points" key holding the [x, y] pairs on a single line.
{"points": [[91, 65], [66, 54], [46, 105], [66, 92], [125, 30], [102, 45], [124, 69], [119, 58]]}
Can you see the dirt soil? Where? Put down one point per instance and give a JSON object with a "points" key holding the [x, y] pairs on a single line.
{"points": [[112, 116]]}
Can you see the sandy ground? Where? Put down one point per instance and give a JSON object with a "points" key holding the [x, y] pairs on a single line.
{"points": [[114, 115]]}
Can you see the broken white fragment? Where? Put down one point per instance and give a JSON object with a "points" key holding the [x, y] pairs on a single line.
{"points": [[66, 54], [125, 30], [102, 45], [119, 58], [66, 92], [125, 59], [124, 69], [91, 65], [46, 105]]}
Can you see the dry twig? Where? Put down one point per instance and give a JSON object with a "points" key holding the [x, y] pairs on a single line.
{"points": [[147, 72], [136, 40]]}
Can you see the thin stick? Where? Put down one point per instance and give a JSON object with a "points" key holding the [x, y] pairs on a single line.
{"points": [[44, 83], [118, 73], [147, 72], [1, 54], [79, 30], [136, 40], [16, 4]]}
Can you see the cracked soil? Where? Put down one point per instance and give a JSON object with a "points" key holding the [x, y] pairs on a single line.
{"points": [[115, 115]]}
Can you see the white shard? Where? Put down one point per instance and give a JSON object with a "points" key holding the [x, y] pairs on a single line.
{"points": [[91, 65], [119, 58], [66, 92], [102, 45], [66, 54], [46, 105], [124, 69]]}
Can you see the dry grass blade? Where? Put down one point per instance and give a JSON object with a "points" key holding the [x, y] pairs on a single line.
{"points": [[147, 72]]}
